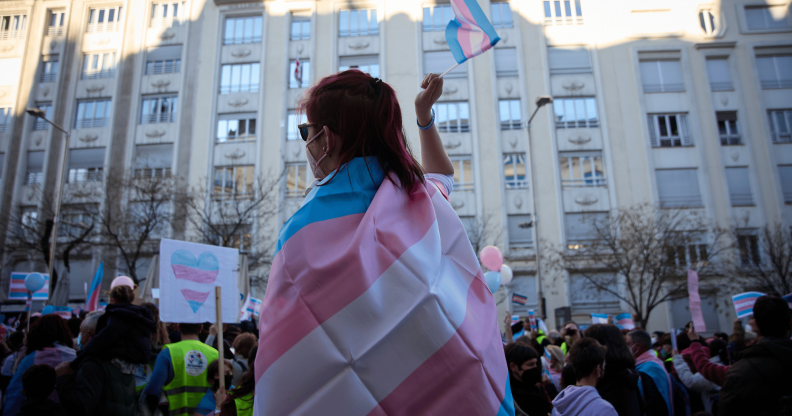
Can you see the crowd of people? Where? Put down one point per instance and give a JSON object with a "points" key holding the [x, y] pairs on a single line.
{"points": [[607, 371], [125, 361]]}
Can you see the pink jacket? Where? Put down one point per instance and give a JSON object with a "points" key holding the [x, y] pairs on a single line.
{"points": [[715, 373]]}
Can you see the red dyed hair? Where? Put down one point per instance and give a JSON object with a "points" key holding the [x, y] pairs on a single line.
{"points": [[364, 114]]}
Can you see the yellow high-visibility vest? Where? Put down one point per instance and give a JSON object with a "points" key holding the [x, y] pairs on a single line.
{"points": [[190, 359]]}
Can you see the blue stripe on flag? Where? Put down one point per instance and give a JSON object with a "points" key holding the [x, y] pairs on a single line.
{"points": [[338, 198], [453, 42], [97, 280], [507, 405], [747, 295]]}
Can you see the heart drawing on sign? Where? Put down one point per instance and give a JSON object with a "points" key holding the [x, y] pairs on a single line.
{"points": [[202, 270]]}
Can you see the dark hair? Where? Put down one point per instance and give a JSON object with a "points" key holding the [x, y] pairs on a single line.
{"points": [[74, 325], [365, 113], [227, 354], [244, 343], [160, 336], [122, 294], [190, 329], [15, 340], [772, 316], [717, 348], [247, 384], [586, 354], [683, 341], [518, 353], [38, 381], [722, 335], [618, 353], [568, 376], [46, 332], [640, 336]]}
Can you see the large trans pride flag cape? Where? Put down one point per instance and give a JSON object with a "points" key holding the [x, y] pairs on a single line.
{"points": [[376, 305]]}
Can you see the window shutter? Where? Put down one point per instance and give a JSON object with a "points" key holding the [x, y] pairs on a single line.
{"points": [[153, 156], [650, 76], [651, 120], [785, 173], [359, 60], [35, 161], [678, 188], [164, 53], [683, 130], [506, 61], [754, 17], [86, 158], [718, 71], [439, 62], [568, 60], [520, 229], [672, 75], [766, 67], [739, 186]]}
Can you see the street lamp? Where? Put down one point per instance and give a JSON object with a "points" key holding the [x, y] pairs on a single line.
{"points": [[38, 113], [541, 101]]}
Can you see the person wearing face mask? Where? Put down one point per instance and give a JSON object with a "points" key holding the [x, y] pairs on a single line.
{"points": [[525, 378], [362, 304], [215, 396], [587, 358], [655, 382]]}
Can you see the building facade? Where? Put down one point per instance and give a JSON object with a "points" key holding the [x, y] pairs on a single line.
{"points": [[678, 104]]}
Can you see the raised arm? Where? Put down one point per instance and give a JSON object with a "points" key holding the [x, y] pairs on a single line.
{"points": [[434, 158]]}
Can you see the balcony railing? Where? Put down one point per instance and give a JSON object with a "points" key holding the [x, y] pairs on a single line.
{"points": [[730, 139], [40, 125], [663, 87], [91, 122], [166, 67], [48, 77], [85, 175], [165, 22], [5, 127], [148, 173], [227, 89], [103, 27], [55, 31], [776, 84], [721, 86], [782, 138], [96, 74], [157, 118], [12, 34], [34, 177], [742, 199]]}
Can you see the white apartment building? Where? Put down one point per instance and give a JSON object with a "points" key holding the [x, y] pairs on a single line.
{"points": [[676, 103]]}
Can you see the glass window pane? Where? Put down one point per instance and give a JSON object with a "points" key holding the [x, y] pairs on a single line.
{"points": [[591, 109], [442, 115], [242, 129], [558, 9], [252, 127], [233, 128], [427, 19], [249, 30], [110, 15], [236, 77], [101, 16], [354, 23], [373, 24], [239, 31], [663, 126], [515, 111], [565, 172], [257, 29], [229, 30], [569, 110], [496, 14], [504, 111], [674, 128], [580, 111], [222, 132], [344, 23], [558, 109], [547, 9], [245, 78], [464, 116], [452, 117]]}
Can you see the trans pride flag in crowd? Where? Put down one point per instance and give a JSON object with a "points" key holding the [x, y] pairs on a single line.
{"points": [[470, 33], [377, 305], [743, 303]]}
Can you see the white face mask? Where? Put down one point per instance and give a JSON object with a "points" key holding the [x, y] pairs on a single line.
{"points": [[316, 169], [654, 340]]}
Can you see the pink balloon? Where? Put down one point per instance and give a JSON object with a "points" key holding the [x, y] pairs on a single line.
{"points": [[492, 258]]}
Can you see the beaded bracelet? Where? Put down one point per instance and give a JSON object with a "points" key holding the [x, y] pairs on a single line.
{"points": [[431, 123]]}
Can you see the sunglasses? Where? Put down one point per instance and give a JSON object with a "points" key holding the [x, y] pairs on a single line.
{"points": [[303, 128]]}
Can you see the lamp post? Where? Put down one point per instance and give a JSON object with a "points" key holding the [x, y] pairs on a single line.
{"points": [[541, 101], [37, 113]]}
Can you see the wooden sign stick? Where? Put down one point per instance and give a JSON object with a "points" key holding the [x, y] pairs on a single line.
{"points": [[219, 327]]}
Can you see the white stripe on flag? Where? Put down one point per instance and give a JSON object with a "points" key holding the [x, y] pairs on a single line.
{"points": [[358, 354]]}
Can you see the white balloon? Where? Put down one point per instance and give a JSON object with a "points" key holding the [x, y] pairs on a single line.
{"points": [[506, 275]]}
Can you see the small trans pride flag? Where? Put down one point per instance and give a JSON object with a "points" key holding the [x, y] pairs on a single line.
{"points": [[519, 299], [470, 34], [625, 321], [599, 318], [743, 303]]}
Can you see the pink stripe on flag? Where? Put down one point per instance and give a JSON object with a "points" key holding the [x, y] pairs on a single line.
{"points": [[193, 274], [293, 309], [479, 376]]}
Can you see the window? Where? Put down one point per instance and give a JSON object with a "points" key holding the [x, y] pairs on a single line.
{"points": [[575, 112], [562, 12], [785, 173], [366, 63], [689, 256], [158, 109], [236, 128], [299, 77], [240, 30], [520, 230], [662, 76], [56, 23], [435, 19], [780, 122], [440, 61], [775, 71], [678, 188], [514, 171], [49, 69], [452, 117], [13, 26], [5, 119], [167, 14], [85, 165], [766, 17], [582, 228], [92, 113], [510, 114], [582, 169], [153, 160], [727, 128], [358, 23], [739, 187], [505, 62], [501, 15], [40, 124], [668, 130], [707, 22], [106, 19], [76, 220], [297, 179], [233, 182], [241, 240], [35, 167], [163, 60], [586, 297], [99, 65], [292, 121], [301, 26], [463, 173], [568, 60], [239, 78], [748, 246], [719, 76]]}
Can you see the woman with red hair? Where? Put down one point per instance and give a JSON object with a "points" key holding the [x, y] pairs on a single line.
{"points": [[376, 303]]}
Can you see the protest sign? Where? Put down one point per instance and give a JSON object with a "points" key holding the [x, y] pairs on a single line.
{"points": [[532, 319], [695, 302], [17, 290], [743, 303], [189, 272], [250, 309]]}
